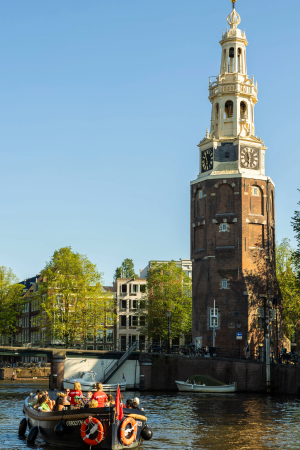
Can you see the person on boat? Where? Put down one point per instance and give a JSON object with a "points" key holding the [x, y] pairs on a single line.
{"points": [[44, 404], [110, 400], [67, 397], [129, 404], [59, 404], [100, 396], [76, 391], [38, 401], [93, 404]]}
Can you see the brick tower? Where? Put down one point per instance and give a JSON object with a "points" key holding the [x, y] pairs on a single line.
{"points": [[232, 216]]}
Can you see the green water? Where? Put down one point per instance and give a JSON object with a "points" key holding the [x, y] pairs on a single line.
{"points": [[183, 420]]}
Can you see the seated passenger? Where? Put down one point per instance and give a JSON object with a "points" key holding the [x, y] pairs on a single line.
{"points": [[129, 404], [66, 397], [37, 402], [100, 396], [75, 391], [93, 404], [59, 404], [44, 404], [110, 400]]}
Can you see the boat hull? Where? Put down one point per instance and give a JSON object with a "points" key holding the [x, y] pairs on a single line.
{"points": [[72, 421], [186, 387]]}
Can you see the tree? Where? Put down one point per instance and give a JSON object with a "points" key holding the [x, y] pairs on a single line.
{"points": [[126, 270], [289, 286], [11, 300], [168, 289], [73, 297], [296, 228]]}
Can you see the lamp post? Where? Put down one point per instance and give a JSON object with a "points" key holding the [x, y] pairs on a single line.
{"points": [[169, 329], [239, 327]]}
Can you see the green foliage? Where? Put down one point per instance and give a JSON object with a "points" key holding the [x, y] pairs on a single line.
{"points": [[296, 228], [289, 286], [126, 270], [11, 300], [73, 297], [168, 288]]}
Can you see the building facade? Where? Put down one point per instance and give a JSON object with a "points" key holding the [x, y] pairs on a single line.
{"points": [[129, 295], [184, 264], [233, 215]]}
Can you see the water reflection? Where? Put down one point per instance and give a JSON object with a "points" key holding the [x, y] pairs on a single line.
{"points": [[184, 421]]}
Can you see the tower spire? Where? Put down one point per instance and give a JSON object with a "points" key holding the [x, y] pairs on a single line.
{"points": [[233, 4]]}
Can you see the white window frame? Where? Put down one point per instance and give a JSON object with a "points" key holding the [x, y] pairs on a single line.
{"points": [[255, 191], [201, 193], [224, 284], [224, 227]]}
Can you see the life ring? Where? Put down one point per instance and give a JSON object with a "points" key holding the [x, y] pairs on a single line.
{"points": [[97, 427], [133, 429]]}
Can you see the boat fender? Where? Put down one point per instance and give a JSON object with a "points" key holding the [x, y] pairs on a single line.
{"points": [[60, 429], [32, 435], [22, 427], [147, 433]]}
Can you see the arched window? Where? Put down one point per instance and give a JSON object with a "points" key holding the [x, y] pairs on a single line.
{"points": [[240, 61], [228, 114], [243, 109], [231, 60], [217, 111]]}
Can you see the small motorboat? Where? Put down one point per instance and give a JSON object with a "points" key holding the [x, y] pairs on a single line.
{"points": [[188, 387], [88, 380], [86, 428]]}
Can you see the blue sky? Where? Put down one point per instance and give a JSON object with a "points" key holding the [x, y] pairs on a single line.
{"points": [[102, 105]]}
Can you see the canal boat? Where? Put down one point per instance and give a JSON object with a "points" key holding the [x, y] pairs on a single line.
{"points": [[88, 380], [184, 386], [97, 428]]}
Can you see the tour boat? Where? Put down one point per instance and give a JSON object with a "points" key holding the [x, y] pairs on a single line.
{"points": [[186, 386], [96, 428], [87, 381]]}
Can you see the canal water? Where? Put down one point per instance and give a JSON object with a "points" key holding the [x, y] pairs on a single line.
{"points": [[183, 421]]}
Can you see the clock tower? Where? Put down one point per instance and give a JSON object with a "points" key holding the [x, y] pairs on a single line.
{"points": [[233, 216]]}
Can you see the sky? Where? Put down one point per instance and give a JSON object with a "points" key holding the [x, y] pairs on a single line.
{"points": [[102, 105]]}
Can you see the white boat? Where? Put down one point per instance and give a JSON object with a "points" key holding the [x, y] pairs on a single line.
{"points": [[185, 386], [88, 380]]}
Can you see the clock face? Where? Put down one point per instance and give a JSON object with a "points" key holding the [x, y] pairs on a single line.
{"points": [[207, 160], [249, 158]]}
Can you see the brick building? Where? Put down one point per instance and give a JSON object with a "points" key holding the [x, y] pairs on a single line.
{"points": [[233, 215]]}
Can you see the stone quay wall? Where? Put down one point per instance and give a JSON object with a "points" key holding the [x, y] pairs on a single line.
{"points": [[160, 372], [6, 373]]}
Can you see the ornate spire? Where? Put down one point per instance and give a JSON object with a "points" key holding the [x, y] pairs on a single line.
{"points": [[234, 18]]}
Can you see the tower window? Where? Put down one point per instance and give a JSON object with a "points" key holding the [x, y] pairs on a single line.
{"points": [[243, 109], [201, 194], [224, 226], [255, 191], [228, 110], [226, 154], [231, 60]]}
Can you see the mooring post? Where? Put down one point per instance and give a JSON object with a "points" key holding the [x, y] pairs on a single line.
{"points": [[268, 371], [57, 369]]}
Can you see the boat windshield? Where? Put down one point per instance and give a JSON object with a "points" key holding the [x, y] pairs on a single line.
{"points": [[88, 376]]}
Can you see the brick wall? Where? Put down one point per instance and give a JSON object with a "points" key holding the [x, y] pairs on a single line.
{"points": [[243, 254]]}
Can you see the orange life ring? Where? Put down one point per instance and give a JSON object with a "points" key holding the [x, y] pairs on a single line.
{"points": [[123, 432], [98, 427]]}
